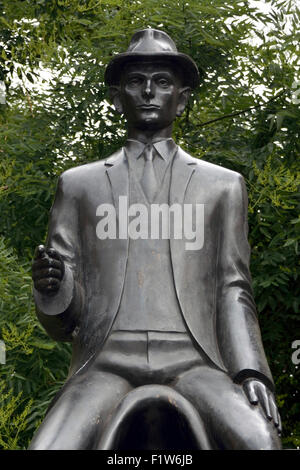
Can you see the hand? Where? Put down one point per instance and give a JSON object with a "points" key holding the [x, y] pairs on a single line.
{"points": [[257, 392], [47, 270]]}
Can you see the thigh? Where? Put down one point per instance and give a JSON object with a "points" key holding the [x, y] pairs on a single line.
{"points": [[80, 413], [232, 422]]}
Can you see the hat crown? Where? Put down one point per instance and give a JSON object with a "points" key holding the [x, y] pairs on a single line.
{"points": [[148, 45], [151, 40]]}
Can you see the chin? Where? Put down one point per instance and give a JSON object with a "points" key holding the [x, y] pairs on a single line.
{"points": [[149, 124], [153, 124]]}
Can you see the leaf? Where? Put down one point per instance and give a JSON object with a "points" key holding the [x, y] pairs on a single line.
{"points": [[29, 76], [19, 72], [43, 345], [289, 242]]}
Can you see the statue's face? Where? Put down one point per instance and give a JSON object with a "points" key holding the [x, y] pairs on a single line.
{"points": [[151, 95]]}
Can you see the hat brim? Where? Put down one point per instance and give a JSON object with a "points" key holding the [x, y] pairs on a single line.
{"points": [[191, 73]]}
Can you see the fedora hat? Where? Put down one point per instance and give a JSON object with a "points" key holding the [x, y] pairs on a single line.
{"points": [[148, 45]]}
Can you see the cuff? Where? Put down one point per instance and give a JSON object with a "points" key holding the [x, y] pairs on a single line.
{"points": [[256, 375], [57, 303]]}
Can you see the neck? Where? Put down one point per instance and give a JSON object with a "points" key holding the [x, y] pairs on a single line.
{"points": [[150, 135]]}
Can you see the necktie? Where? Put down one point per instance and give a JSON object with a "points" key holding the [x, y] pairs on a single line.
{"points": [[148, 182]]}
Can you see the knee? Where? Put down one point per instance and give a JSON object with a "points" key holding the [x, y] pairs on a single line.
{"points": [[264, 436]]}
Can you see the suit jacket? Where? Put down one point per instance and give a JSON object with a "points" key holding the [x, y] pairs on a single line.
{"points": [[213, 284]]}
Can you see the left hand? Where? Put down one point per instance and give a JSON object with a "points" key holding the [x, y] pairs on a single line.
{"points": [[257, 392]]}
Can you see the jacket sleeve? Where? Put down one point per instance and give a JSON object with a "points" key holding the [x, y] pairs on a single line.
{"points": [[238, 330], [59, 312]]}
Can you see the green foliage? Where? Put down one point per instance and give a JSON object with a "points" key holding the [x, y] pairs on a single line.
{"points": [[12, 424], [36, 366], [244, 116]]}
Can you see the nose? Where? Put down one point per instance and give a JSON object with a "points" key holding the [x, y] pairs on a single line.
{"points": [[148, 89]]}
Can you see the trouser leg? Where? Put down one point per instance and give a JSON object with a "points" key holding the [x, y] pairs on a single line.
{"points": [[232, 422], [79, 415]]}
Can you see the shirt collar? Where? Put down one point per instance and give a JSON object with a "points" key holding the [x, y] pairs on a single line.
{"points": [[165, 148]]}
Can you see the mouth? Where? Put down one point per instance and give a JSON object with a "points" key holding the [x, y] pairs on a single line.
{"points": [[148, 106]]}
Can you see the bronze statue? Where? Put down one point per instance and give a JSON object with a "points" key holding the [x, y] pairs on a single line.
{"points": [[148, 313]]}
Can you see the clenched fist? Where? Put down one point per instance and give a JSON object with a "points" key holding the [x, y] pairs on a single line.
{"points": [[47, 270]]}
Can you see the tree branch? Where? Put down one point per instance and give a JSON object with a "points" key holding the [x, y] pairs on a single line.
{"points": [[238, 113]]}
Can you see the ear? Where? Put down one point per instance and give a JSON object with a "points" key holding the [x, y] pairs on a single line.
{"points": [[114, 94], [184, 95]]}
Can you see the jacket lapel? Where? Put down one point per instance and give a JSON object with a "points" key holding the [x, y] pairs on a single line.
{"points": [[117, 172], [118, 175], [182, 170]]}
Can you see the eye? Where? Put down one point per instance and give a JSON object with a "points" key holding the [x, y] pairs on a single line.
{"points": [[134, 81], [163, 82]]}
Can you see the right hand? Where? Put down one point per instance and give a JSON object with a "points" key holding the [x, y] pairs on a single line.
{"points": [[47, 270]]}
